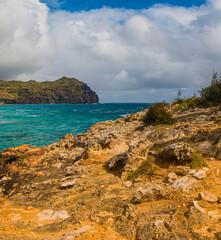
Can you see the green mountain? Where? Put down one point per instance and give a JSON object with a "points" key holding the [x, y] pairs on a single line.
{"points": [[64, 90]]}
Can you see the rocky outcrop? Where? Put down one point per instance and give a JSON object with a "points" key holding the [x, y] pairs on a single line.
{"points": [[64, 90], [120, 181]]}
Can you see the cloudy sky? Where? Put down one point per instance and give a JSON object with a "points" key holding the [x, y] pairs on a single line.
{"points": [[127, 51]]}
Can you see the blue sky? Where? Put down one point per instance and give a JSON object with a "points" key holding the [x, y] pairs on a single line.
{"points": [[78, 5]]}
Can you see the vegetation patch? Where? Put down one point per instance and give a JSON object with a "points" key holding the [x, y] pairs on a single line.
{"points": [[157, 114], [197, 161], [212, 93], [209, 96], [146, 168]]}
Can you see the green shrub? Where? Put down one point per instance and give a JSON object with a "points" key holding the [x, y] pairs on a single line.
{"points": [[146, 168], [197, 161], [212, 93], [157, 114]]}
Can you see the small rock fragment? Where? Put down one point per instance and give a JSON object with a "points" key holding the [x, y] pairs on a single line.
{"points": [[182, 171], [74, 234], [172, 176], [158, 222], [49, 214], [59, 214], [15, 217], [68, 184], [196, 205], [217, 173], [201, 174], [209, 197], [45, 215], [128, 184]]}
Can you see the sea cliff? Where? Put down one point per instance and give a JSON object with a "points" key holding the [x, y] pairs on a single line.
{"points": [[64, 90], [119, 180]]}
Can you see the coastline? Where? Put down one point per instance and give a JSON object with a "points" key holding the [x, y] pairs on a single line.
{"points": [[118, 179], [43, 124]]}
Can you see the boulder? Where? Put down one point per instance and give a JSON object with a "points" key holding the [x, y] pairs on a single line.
{"points": [[178, 153]]}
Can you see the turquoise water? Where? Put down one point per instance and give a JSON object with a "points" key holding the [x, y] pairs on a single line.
{"points": [[43, 124]]}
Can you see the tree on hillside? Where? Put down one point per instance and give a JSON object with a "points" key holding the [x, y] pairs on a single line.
{"points": [[212, 93], [179, 94]]}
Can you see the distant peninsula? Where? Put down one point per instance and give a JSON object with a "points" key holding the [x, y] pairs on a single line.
{"points": [[63, 90]]}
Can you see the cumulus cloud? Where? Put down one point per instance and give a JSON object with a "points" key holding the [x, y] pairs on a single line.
{"points": [[130, 55], [24, 41]]}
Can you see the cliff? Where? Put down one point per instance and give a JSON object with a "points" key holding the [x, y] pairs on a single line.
{"points": [[120, 180], [64, 90]]}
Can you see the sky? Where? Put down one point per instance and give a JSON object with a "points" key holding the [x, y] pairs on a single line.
{"points": [[127, 51]]}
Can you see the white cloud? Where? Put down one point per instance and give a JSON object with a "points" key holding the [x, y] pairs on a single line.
{"points": [[24, 41], [133, 55], [216, 3]]}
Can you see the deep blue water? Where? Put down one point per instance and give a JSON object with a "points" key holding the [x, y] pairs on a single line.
{"points": [[43, 124]]}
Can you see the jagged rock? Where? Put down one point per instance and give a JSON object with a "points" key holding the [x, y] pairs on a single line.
{"points": [[154, 230], [154, 192], [117, 161], [197, 216], [178, 153], [125, 223], [186, 184], [68, 184], [206, 148], [215, 217], [209, 197], [200, 174], [219, 200]]}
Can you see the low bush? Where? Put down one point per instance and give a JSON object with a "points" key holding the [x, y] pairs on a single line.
{"points": [[196, 160], [146, 168], [212, 93], [157, 114]]}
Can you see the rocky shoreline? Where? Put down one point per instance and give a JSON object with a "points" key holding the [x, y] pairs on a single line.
{"points": [[119, 180]]}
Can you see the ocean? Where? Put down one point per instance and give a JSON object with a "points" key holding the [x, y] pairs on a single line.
{"points": [[43, 124]]}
